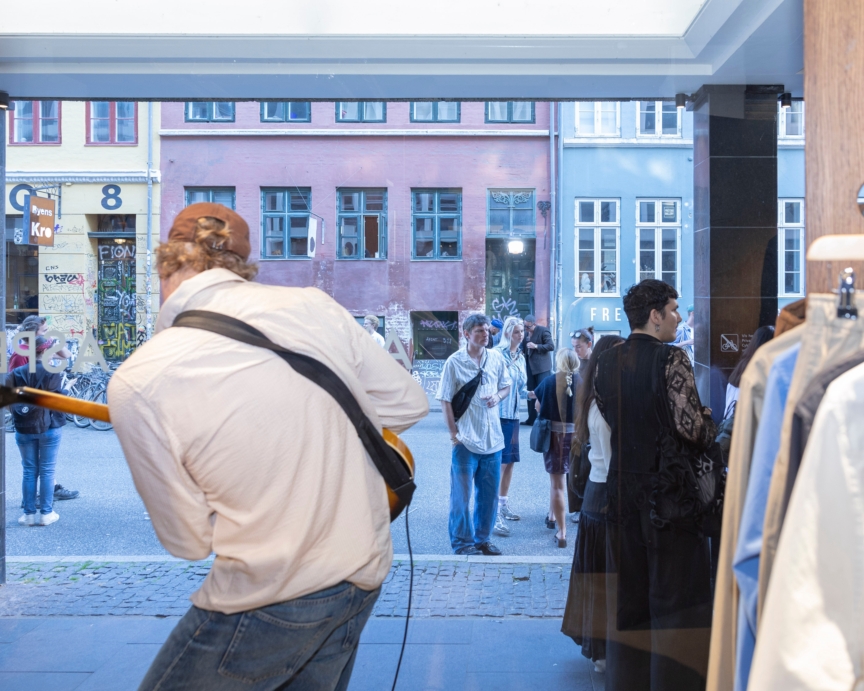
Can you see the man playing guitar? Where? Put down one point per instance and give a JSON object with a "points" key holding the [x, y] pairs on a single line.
{"points": [[236, 454]]}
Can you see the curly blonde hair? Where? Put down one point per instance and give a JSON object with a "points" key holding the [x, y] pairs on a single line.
{"points": [[206, 252]]}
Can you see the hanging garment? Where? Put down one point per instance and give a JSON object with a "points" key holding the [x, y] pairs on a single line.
{"points": [[805, 412], [721, 666], [827, 340], [811, 632], [746, 560], [790, 316]]}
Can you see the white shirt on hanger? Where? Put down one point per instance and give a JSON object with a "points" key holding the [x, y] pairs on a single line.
{"points": [[811, 634]]}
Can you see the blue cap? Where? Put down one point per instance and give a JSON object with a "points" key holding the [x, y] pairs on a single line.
{"points": [[497, 323]]}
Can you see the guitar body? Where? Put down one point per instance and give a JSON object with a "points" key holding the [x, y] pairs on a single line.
{"points": [[401, 448], [99, 411]]}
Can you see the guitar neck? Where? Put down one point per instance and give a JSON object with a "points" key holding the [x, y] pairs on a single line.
{"points": [[57, 402]]}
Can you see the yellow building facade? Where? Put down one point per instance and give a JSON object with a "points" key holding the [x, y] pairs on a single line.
{"points": [[99, 161]]}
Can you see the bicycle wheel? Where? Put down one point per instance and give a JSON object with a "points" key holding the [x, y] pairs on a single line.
{"points": [[101, 396], [80, 420], [8, 421]]}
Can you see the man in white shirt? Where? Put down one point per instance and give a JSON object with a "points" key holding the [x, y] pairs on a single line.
{"points": [[476, 437], [228, 462], [370, 323]]}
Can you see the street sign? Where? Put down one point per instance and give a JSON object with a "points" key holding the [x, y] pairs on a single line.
{"points": [[729, 343], [40, 215]]}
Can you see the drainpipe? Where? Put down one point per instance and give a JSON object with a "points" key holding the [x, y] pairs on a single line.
{"points": [[559, 296], [148, 282], [553, 317]]}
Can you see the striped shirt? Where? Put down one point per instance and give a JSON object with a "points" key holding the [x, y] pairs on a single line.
{"points": [[479, 429]]}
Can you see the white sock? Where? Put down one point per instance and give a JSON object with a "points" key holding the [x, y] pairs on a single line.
{"points": [[502, 501]]}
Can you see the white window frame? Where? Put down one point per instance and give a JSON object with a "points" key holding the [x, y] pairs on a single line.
{"points": [[598, 228], [782, 227], [658, 226], [598, 119], [658, 105], [781, 122]]}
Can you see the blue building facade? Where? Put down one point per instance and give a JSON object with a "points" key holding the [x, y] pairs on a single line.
{"points": [[627, 207]]}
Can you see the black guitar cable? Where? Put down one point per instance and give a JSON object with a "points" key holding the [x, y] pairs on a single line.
{"points": [[410, 593]]}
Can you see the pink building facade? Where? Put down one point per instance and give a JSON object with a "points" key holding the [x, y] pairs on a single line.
{"points": [[416, 215]]}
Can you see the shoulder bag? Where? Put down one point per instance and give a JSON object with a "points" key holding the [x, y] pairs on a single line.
{"points": [[463, 397]]}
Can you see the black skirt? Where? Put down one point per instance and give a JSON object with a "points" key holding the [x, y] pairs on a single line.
{"points": [[585, 611]]}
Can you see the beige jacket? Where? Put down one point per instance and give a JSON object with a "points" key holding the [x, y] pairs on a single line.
{"points": [[721, 664], [236, 454]]}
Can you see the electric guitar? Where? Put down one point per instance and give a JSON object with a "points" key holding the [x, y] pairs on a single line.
{"points": [[99, 411]]}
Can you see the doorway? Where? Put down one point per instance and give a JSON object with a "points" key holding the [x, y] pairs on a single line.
{"points": [[509, 278], [116, 295]]}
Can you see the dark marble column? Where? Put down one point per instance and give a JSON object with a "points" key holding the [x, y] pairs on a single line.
{"points": [[735, 227]]}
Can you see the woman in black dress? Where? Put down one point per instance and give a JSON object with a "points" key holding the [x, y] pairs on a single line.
{"points": [[556, 402], [585, 611]]}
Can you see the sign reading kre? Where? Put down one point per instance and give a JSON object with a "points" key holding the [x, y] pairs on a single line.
{"points": [[39, 219]]}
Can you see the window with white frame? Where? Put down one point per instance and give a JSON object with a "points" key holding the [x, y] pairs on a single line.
{"points": [[658, 239], [791, 121], [285, 220], [658, 119], [598, 119], [597, 241], [791, 241]]}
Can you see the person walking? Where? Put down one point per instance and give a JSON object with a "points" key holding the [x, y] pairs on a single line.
{"points": [[685, 335], [582, 341], [556, 402], [508, 410], [476, 436], [659, 575], [37, 434], [371, 323], [39, 325], [585, 610], [537, 348]]}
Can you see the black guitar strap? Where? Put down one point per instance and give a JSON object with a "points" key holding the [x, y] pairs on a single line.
{"points": [[391, 466]]}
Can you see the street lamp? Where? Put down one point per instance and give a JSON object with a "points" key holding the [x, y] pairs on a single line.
{"points": [[4, 100], [515, 246]]}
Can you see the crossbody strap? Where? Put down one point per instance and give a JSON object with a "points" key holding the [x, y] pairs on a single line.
{"points": [[388, 462]]}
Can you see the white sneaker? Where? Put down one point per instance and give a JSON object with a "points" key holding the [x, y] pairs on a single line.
{"points": [[501, 528], [28, 519], [600, 666], [49, 518], [507, 513], [574, 517]]}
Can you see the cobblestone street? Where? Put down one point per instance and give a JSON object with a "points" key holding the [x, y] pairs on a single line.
{"points": [[446, 587]]}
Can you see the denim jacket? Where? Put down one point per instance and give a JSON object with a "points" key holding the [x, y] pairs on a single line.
{"points": [[509, 406]]}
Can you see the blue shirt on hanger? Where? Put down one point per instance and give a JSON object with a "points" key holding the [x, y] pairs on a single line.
{"points": [[745, 563]]}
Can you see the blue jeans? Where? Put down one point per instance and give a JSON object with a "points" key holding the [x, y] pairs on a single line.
{"points": [[305, 644], [39, 456], [484, 472]]}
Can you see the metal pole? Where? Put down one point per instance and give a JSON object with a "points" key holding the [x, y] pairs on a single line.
{"points": [[148, 281], [3, 120], [559, 280], [553, 320]]}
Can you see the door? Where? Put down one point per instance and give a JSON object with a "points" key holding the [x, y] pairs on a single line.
{"points": [[116, 295], [509, 279]]}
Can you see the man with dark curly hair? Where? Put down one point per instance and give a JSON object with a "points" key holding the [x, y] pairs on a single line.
{"points": [[658, 585]]}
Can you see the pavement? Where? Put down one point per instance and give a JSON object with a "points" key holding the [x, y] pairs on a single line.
{"points": [[96, 621]]}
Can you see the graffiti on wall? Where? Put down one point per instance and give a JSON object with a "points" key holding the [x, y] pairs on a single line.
{"points": [[427, 373], [116, 301]]}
